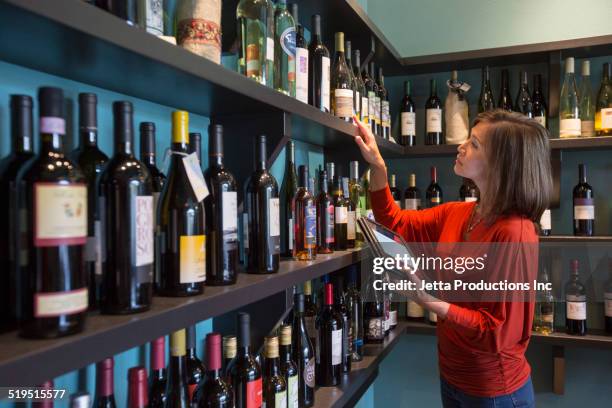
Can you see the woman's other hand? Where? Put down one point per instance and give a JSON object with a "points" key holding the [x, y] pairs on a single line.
{"points": [[367, 144]]}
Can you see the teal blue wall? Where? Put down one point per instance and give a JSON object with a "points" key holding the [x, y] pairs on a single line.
{"points": [[440, 26]]}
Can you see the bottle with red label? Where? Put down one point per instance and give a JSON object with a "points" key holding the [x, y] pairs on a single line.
{"points": [[53, 231], [195, 368], [305, 216], [137, 388], [329, 342], [245, 371]]}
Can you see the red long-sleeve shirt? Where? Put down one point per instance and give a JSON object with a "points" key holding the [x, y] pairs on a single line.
{"points": [[481, 345]]}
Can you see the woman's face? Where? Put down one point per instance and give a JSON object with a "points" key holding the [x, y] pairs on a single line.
{"points": [[471, 160]]}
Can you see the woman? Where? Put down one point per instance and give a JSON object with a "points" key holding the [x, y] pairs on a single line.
{"points": [[481, 345]]}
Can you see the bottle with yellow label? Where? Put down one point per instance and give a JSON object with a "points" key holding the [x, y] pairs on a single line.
{"points": [[180, 220]]}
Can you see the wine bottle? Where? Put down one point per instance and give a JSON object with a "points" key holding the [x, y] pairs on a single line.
{"points": [[434, 192], [544, 320], [284, 49], [80, 399], [540, 110], [485, 100], [48, 403], [374, 315], [214, 391], [21, 152], [569, 108], [148, 156], [366, 205], [319, 72], [52, 235], [587, 105], [137, 388], [505, 100], [414, 311], [91, 161], [385, 115], [608, 300], [181, 220], [351, 219], [392, 312], [341, 85], [468, 191], [255, 36], [344, 313], [263, 213], [407, 118], [177, 390], [310, 312], [274, 385], [288, 367], [355, 307], [195, 368], [331, 177], [301, 58], [603, 115], [545, 223], [412, 195], [288, 191], [221, 207], [340, 217], [433, 117], [395, 192], [325, 218], [303, 353], [456, 110], [348, 52], [386, 294], [126, 9], [355, 194], [305, 216], [432, 318], [105, 384], [245, 372], [151, 16], [230, 346], [361, 91], [584, 205], [158, 378], [329, 342], [194, 145], [126, 199], [524, 104], [198, 27], [372, 92], [575, 303]]}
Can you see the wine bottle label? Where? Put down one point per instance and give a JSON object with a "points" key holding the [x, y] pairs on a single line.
{"points": [[584, 209], [412, 203], [386, 120], [608, 304], [587, 128], [435, 200], [287, 41], [143, 231], [153, 17], [198, 28], [548, 318], [541, 120], [392, 317], [408, 125], [606, 118], [325, 84], [343, 99], [434, 120], [301, 74], [274, 223], [413, 309], [60, 214], [310, 227], [292, 392], [545, 223], [254, 394], [365, 109], [195, 176], [270, 50], [357, 106], [336, 347], [433, 317], [290, 232], [190, 390], [370, 214], [253, 66], [576, 310], [375, 328], [341, 215], [309, 373], [350, 229], [330, 224], [192, 258], [372, 106], [54, 304], [230, 211], [52, 125], [245, 230], [377, 107], [569, 128], [470, 199]]}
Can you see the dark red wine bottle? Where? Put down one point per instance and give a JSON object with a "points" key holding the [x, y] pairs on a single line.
{"points": [[433, 117], [48, 403], [126, 211], [575, 303], [584, 205], [608, 300], [374, 316], [303, 354], [319, 69], [137, 388], [347, 337], [177, 390], [434, 191], [21, 152], [214, 392], [105, 386], [288, 190], [221, 215], [195, 145], [157, 380], [310, 313], [245, 371], [329, 342], [51, 242], [195, 368], [407, 118], [505, 100], [148, 155], [468, 191]]}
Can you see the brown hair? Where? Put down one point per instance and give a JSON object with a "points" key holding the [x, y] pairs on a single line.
{"points": [[519, 179]]}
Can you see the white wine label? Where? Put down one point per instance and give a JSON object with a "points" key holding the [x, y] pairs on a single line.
{"points": [[60, 214], [470, 199], [412, 203], [413, 309], [325, 85], [290, 237], [386, 120], [280, 399], [292, 392], [274, 219], [434, 120], [192, 258], [408, 125], [372, 106], [587, 128], [350, 229], [377, 107], [545, 223], [392, 317], [576, 310], [606, 118], [309, 373], [548, 318], [230, 210], [365, 108], [569, 128], [154, 17], [143, 231], [541, 120], [195, 176], [608, 301], [269, 49], [584, 212], [341, 215], [336, 347], [343, 103], [245, 230], [301, 74], [386, 324], [53, 304], [357, 104]]}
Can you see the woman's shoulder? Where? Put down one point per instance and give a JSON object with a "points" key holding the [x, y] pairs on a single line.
{"points": [[515, 229]]}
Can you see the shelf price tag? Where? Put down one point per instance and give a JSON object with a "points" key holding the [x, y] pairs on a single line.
{"points": [[196, 178]]}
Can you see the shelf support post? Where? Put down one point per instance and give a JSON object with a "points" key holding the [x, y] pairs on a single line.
{"points": [[558, 370]]}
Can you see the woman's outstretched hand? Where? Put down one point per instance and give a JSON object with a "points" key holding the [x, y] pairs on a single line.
{"points": [[367, 144]]}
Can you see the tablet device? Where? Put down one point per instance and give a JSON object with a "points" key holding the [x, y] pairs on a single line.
{"points": [[384, 242]]}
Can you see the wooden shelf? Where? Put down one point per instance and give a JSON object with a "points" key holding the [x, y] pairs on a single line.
{"points": [[431, 150], [582, 143], [107, 335], [575, 239]]}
